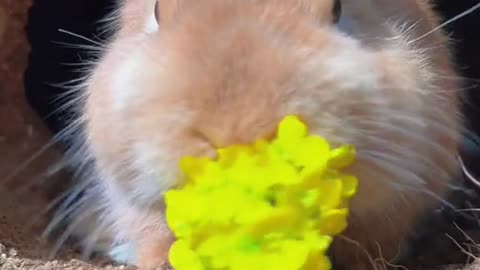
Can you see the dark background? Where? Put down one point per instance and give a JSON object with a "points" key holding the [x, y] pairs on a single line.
{"points": [[53, 63]]}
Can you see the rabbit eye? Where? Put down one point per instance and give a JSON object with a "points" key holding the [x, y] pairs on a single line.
{"points": [[337, 10], [157, 12]]}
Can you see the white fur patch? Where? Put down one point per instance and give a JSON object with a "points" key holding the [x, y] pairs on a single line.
{"points": [[124, 254], [152, 24], [153, 180], [124, 88]]}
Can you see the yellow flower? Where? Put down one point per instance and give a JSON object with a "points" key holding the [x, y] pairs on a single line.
{"points": [[269, 205]]}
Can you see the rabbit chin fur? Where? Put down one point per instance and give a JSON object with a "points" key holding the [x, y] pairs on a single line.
{"points": [[216, 72]]}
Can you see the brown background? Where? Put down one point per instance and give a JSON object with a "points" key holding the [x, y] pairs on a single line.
{"points": [[22, 202]]}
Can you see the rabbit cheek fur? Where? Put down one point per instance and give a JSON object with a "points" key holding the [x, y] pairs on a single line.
{"points": [[217, 72]]}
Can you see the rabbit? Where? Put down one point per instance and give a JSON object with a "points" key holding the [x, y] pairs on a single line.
{"points": [[183, 78]]}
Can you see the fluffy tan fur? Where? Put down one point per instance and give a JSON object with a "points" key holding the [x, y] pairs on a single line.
{"points": [[218, 72]]}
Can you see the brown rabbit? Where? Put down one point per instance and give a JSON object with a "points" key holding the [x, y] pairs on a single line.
{"points": [[182, 77]]}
